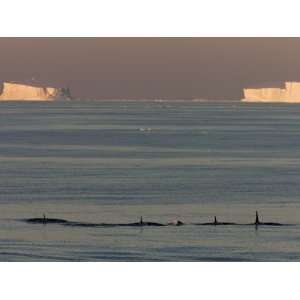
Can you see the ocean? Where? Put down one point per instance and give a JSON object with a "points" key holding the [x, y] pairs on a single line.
{"points": [[115, 161]]}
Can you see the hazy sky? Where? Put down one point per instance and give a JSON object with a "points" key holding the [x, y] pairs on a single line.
{"points": [[109, 68]]}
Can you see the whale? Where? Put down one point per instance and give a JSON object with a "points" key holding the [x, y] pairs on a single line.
{"points": [[216, 223], [142, 223], [175, 223], [45, 220], [64, 222], [135, 224], [257, 222]]}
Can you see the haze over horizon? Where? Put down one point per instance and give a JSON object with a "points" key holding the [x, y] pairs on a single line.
{"points": [[148, 68]]}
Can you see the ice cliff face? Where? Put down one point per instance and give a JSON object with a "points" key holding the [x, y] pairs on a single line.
{"points": [[290, 94], [16, 91]]}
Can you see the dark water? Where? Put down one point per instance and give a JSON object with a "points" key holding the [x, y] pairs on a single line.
{"points": [[110, 162]]}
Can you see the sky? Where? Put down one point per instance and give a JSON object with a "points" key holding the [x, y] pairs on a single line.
{"points": [[151, 68]]}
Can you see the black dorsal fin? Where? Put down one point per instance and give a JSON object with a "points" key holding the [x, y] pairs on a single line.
{"points": [[256, 218], [141, 220], [215, 220]]}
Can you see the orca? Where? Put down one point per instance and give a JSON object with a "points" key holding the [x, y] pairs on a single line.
{"points": [[84, 224], [45, 220], [258, 222], [175, 223], [179, 223], [216, 223], [136, 224], [144, 224], [141, 223]]}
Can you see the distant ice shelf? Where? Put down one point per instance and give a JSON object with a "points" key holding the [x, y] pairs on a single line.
{"points": [[23, 92], [289, 94]]}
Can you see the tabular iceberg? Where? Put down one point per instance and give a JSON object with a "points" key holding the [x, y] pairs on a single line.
{"points": [[16, 91], [290, 94]]}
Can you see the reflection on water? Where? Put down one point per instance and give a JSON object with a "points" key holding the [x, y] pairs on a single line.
{"points": [[89, 161]]}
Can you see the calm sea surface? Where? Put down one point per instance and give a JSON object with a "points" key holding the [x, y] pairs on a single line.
{"points": [[113, 162]]}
